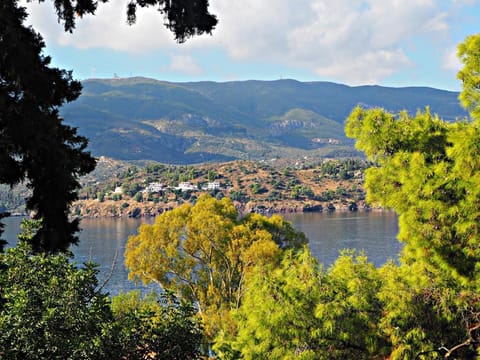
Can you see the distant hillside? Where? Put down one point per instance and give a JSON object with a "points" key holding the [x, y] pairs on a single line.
{"points": [[182, 123], [254, 186]]}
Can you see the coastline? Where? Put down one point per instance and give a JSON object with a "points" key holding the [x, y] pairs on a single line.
{"points": [[133, 209]]}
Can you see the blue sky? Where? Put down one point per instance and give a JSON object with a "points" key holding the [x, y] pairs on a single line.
{"points": [[384, 42]]}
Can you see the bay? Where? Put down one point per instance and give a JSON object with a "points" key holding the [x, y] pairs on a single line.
{"points": [[103, 241], [371, 232]]}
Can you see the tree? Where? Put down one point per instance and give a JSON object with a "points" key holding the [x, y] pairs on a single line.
{"points": [[156, 327], [428, 171], [203, 253], [50, 308], [469, 75], [185, 18], [276, 318], [426, 313], [350, 310], [35, 145], [297, 310]]}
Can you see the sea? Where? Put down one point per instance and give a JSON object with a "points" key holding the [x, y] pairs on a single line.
{"points": [[102, 241]]}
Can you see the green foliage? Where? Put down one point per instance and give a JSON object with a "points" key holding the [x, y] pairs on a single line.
{"points": [[138, 196], [296, 310], [36, 145], [427, 312], [131, 188], [301, 191], [156, 326], [50, 309], [256, 188], [350, 310], [237, 195], [328, 195], [276, 319], [212, 175], [117, 197], [469, 75], [427, 307], [101, 196], [428, 171], [203, 253]]}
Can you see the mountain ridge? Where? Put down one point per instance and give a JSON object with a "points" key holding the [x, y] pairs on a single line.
{"points": [[193, 122]]}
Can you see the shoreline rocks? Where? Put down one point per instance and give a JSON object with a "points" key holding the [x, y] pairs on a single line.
{"points": [[117, 209]]}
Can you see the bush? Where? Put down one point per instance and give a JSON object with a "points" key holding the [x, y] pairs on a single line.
{"points": [[50, 309], [157, 326]]}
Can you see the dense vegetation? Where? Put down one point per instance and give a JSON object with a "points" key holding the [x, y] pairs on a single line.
{"points": [[204, 253], [52, 308], [253, 186], [35, 143], [186, 123], [425, 307], [248, 287]]}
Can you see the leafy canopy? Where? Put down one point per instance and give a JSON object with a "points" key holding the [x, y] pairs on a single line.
{"points": [[52, 308], [35, 145], [428, 171], [298, 310], [203, 252], [156, 327], [185, 18], [427, 307]]}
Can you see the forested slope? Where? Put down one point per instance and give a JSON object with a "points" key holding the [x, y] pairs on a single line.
{"points": [[185, 123]]}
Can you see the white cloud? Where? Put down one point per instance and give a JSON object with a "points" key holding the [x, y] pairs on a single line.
{"points": [[186, 65], [367, 68], [465, 2], [451, 61], [354, 42], [107, 29]]}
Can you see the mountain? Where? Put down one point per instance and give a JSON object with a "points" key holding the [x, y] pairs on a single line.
{"points": [[145, 119]]}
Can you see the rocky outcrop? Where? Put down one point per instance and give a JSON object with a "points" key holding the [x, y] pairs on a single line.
{"points": [[134, 209]]}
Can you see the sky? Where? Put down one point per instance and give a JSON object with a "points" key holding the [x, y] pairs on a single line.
{"points": [[375, 42]]}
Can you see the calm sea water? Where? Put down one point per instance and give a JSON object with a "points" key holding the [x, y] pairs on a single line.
{"points": [[103, 240]]}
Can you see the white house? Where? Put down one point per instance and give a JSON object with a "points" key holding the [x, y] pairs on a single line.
{"points": [[214, 185], [154, 187], [185, 186]]}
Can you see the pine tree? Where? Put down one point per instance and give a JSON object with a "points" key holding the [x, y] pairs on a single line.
{"points": [[35, 145]]}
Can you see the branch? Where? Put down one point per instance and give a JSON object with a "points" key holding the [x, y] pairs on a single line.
{"points": [[467, 342], [110, 274], [456, 347], [449, 352]]}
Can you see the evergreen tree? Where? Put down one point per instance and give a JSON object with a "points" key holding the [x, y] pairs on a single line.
{"points": [[428, 171], [35, 145], [185, 18]]}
